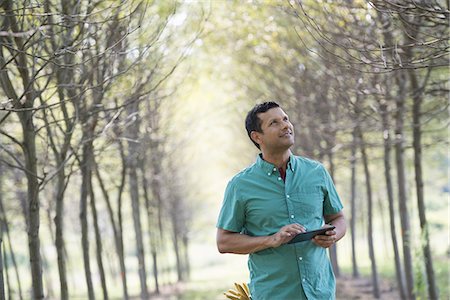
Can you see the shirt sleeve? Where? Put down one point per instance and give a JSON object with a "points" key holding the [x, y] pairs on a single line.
{"points": [[332, 202], [232, 213]]}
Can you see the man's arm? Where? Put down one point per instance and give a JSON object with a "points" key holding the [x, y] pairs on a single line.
{"points": [[332, 236], [235, 242]]}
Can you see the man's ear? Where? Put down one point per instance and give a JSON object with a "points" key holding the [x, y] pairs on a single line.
{"points": [[256, 137]]}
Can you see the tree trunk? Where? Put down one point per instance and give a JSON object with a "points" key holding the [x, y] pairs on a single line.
{"points": [[8, 283], [417, 145], [333, 248], [119, 215], [390, 196], [2, 281], [150, 224], [376, 288], [403, 201], [187, 266], [29, 146], [355, 271], [46, 265], [85, 166], [117, 236], [132, 159], [5, 229], [98, 241], [2, 229], [59, 237]]}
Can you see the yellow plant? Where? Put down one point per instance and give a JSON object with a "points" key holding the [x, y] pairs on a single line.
{"points": [[241, 292]]}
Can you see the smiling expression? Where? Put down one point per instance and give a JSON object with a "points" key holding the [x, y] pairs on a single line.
{"points": [[277, 131]]}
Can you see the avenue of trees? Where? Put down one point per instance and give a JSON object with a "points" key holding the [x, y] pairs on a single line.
{"points": [[90, 181]]}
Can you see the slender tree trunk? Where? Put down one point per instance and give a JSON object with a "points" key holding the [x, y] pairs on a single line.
{"points": [[117, 237], [8, 282], [29, 146], [59, 237], [2, 281], [11, 250], [376, 288], [333, 248], [2, 222], [98, 241], [417, 145], [47, 276], [187, 266], [132, 159], [85, 167], [29, 141], [150, 221], [119, 211], [176, 216], [403, 201], [355, 271], [390, 195]]}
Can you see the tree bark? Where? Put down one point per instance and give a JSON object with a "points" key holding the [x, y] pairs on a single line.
{"points": [[98, 241], [8, 283], [333, 248], [85, 166], [417, 145], [2, 281], [390, 195], [376, 288], [150, 224], [117, 237], [11, 250], [355, 271], [28, 144], [132, 159], [401, 177]]}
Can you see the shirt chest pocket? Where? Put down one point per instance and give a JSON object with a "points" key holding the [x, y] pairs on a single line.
{"points": [[309, 206]]}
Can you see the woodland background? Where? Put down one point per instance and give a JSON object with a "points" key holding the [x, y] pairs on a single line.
{"points": [[122, 121]]}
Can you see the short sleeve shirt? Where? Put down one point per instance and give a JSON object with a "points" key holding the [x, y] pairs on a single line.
{"points": [[258, 202]]}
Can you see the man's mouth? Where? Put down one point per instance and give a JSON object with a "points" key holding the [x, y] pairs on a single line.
{"points": [[288, 133]]}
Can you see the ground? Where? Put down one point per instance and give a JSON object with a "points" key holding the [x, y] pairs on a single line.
{"points": [[348, 288]]}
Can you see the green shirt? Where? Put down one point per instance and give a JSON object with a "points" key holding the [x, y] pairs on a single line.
{"points": [[258, 202]]}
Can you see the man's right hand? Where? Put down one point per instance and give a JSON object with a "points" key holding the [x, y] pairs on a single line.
{"points": [[235, 242], [285, 234]]}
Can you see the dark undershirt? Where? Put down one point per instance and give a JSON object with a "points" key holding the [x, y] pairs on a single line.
{"points": [[282, 174]]}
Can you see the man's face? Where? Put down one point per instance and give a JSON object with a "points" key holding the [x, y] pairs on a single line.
{"points": [[277, 130]]}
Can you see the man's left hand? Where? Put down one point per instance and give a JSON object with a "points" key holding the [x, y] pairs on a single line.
{"points": [[326, 240]]}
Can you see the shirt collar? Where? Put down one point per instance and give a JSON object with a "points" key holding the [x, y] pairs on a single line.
{"points": [[269, 168]]}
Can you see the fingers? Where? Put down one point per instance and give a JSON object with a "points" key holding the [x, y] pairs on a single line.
{"points": [[292, 230], [326, 240], [287, 233]]}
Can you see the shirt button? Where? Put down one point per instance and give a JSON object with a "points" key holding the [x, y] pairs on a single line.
{"points": [[287, 196], [268, 173], [300, 258], [279, 178], [292, 216], [303, 279], [274, 169]]}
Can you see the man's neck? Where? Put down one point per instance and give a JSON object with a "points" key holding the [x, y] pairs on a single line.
{"points": [[279, 159]]}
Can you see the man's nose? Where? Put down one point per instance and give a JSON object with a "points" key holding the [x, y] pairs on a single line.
{"points": [[286, 124]]}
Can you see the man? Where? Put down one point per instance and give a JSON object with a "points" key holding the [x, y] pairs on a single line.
{"points": [[276, 198]]}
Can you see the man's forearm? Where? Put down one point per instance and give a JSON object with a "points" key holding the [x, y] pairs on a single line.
{"points": [[339, 222], [234, 242], [231, 242]]}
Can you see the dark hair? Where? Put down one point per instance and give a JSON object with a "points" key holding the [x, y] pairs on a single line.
{"points": [[253, 122]]}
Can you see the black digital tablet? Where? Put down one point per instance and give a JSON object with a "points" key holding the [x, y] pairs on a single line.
{"points": [[305, 236]]}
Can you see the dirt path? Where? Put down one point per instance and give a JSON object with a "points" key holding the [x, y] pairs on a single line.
{"points": [[348, 288], [361, 288]]}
